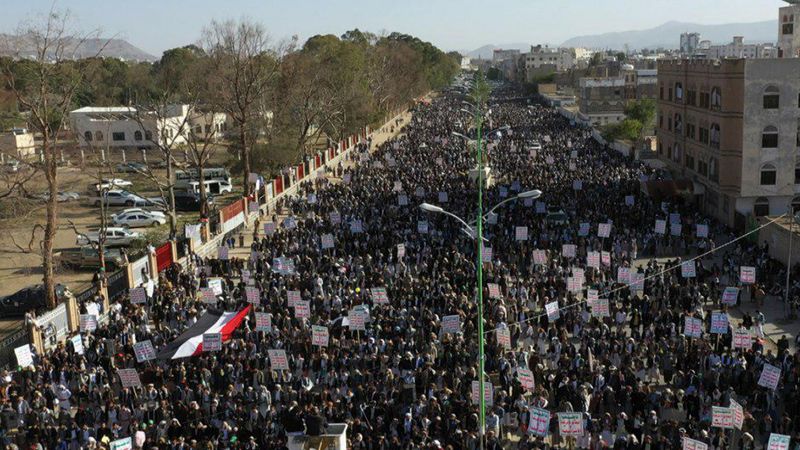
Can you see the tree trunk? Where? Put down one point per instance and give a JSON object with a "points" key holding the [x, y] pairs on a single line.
{"points": [[51, 226], [245, 158], [173, 222], [203, 195]]}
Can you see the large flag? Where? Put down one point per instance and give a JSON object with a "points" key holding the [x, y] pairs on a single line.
{"points": [[190, 343]]}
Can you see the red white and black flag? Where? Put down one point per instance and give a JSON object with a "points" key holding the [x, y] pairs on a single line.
{"points": [[190, 343]]}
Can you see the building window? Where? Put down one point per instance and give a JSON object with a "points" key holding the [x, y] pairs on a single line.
{"points": [[669, 151], [702, 168], [669, 94], [678, 92], [761, 207], [797, 173], [660, 149], [716, 98], [769, 137], [660, 121], [678, 123], [714, 136], [88, 136], [713, 169], [771, 98], [690, 130], [691, 97], [148, 135], [661, 92], [689, 161], [669, 123], [118, 136], [795, 205], [137, 135], [98, 135], [703, 135], [704, 100], [676, 155], [769, 175], [788, 28]]}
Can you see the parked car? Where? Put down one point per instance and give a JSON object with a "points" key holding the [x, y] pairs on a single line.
{"points": [[89, 258], [137, 217], [131, 167], [118, 198], [29, 299], [213, 187], [111, 183], [61, 197], [190, 201], [114, 237]]}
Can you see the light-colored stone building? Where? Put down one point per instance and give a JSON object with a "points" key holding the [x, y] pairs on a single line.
{"points": [[17, 143], [738, 49], [789, 30], [733, 127], [603, 100]]}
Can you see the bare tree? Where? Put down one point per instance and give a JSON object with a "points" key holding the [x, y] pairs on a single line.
{"points": [[44, 86], [243, 67], [202, 145]]}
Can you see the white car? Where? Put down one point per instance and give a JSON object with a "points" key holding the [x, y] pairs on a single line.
{"points": [[137, 217], [112, 183], [114, 236]]}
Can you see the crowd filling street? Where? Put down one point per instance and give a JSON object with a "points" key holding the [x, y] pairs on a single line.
{"points": [[605, 314]]}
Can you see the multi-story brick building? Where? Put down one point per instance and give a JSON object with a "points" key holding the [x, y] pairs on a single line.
{"points": [[733, 127]]}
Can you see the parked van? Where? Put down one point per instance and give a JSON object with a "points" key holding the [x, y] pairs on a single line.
{"points": [[213, 187]]}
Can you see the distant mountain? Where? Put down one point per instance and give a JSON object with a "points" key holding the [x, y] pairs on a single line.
{"points": [[11, 45], [668, 35], [485, 52]]}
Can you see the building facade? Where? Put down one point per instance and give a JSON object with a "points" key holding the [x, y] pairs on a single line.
{"points": [[788, 33], [733, 127], [18, 143], [738, 49], [689, 43], [602, 101]]}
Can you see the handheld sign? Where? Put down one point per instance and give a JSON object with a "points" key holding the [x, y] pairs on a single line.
{"points": [[721, 417], [451, 324], [302, 309], [540, 257], [593, 259], [600, 308], [742, 339], [661, 226], [488, 392], [623, 275], [553, 312], [738, 414], [122, 444], [319, 336], [144, 351], [88, 322], [212, 342], [503, 335], [442, 197], [129, 378], [222, 253], [688, 269], [422, 227], [693, 327], [691, 444], [719, 323], [24, 355], [208, 296], [568, 250], [401, 250], [521, 233], [702, 230], [77, 344], [778, 442], [583, 229], [675, 229], [379, 295], [603, 230], [263, 321], [494, 290], [730, 296], [486, 254], [357, 319], [570, 424], [402, 200], [770, 376], [747, 274], [539, 422], [277, 359], [292, 297], [525, 377], [327, 241], [253, 295], [137, 295], [605, 258]]}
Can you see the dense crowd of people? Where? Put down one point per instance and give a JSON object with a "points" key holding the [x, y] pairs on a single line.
{"points": [[405, 380]]}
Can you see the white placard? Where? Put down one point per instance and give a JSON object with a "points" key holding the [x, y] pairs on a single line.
{"points": [[129, 378], [603, 230], [122, 444], [319, 336], [278, 360], [738, 414], [692, 327], [77, 344], [137, 295], [570, 424], [302, 309], [327, 241], [661, 226], [401, 250], [222, 253], [539, 422], [24, 355], [357, 319], [770, 376], [488, 392], [742, 339], [688, 269], [144, 351], [451, 324], [778, 442], [212, 342], [721, 417], [263, 322], [88, 322], [593, 259], [568, 250], [521, 233], [379, 296], [553, 312], [253, 295], [691, 444], [540, 257], [503, 335], [494, 290], [702, 230], [730, 296], [525, 377], [747, 274], [719, 323], [292, 297]]}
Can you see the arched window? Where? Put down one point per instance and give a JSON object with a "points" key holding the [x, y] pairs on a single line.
{"points": [[769, 175], [678, 123], [761, 207], [772, 98], [88, 136], [714, 134], [769, 137], [713, 169], [677, 154], [716, 98], [678, 92], [795, 205], [137, 135], [98, 135]]}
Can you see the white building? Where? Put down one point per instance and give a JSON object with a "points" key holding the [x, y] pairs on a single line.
{"points": [[18, 143], [689, 42], [738, 49], [788, 33], [125, 127]]}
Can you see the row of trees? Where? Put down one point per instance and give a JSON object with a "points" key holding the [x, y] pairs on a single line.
{"points": [[280, 97]]}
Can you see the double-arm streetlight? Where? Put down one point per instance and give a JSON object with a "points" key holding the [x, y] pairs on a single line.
{"points": [[476, 233]]}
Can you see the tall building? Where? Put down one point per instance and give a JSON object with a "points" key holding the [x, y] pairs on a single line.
{"points": [[738, 49], [602, 101], [733, 127], [788, 32], [689, 42]]}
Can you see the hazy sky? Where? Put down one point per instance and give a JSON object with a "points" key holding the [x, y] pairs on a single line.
{"points": [[156, 25]]}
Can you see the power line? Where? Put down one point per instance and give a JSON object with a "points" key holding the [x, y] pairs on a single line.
{"points": [[668, 269]]}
